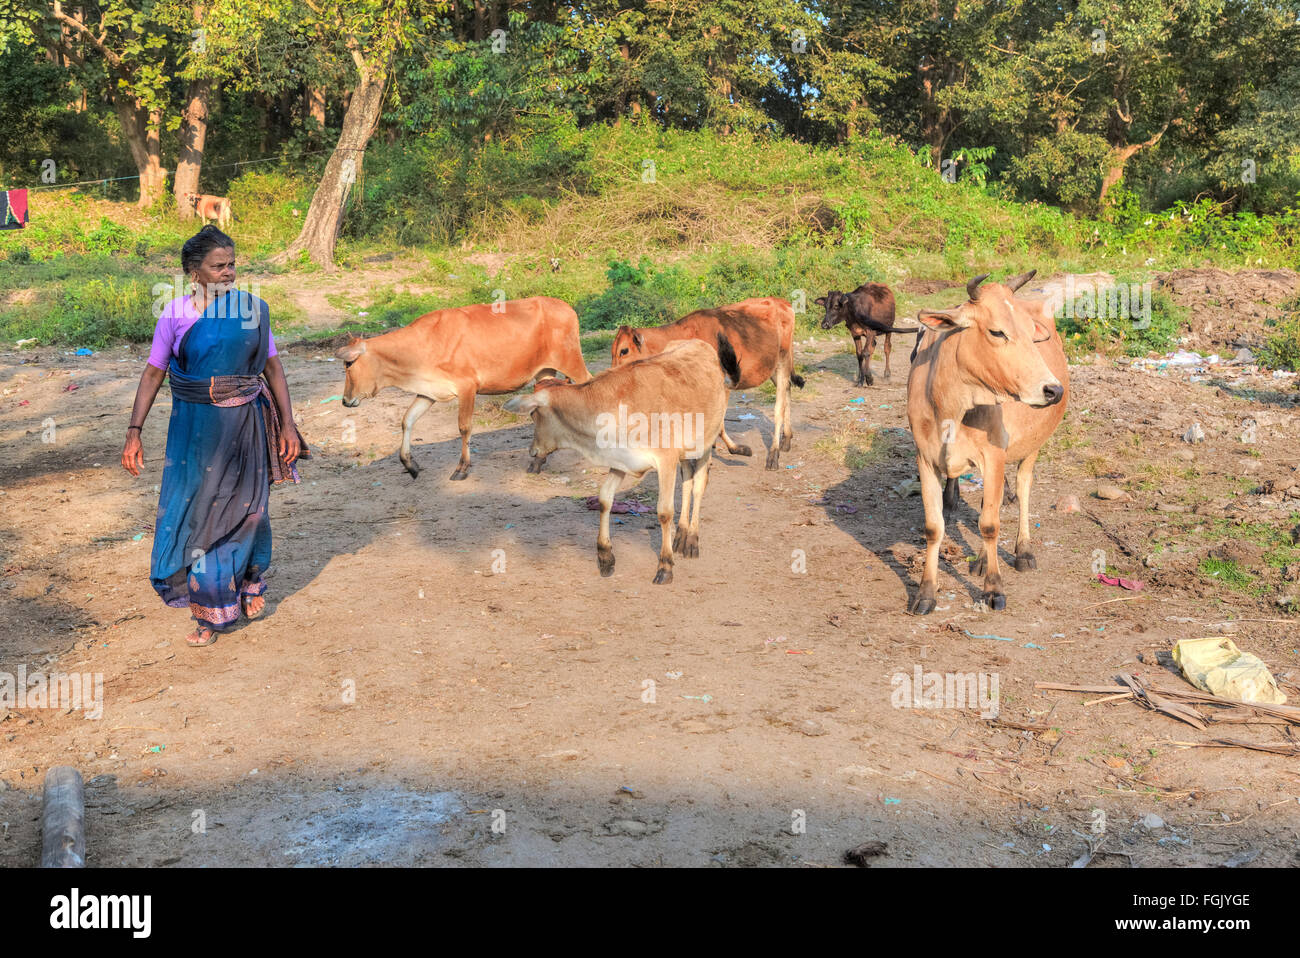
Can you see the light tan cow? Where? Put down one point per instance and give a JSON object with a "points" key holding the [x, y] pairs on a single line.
{"points": [[663, 412], [211, 208], [462, 353], [988, 386], [761, 331]]}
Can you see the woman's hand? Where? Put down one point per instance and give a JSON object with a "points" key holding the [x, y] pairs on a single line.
{"points": [[290, 444], [133, 453]]}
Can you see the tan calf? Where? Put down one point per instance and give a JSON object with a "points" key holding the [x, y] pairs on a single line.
{"points": [[761, 331], [989, 384], [462, 353], [664, 413], [211, 208]]}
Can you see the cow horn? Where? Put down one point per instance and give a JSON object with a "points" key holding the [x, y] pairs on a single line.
{"points": [[1016, 282], [972, 288]]}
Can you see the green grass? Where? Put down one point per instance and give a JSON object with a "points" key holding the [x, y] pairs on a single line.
{"points": [[1227, 572], [570, 215]]}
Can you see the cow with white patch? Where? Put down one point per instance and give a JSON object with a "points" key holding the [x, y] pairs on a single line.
{"points": [[663, 412], [988, 386]]}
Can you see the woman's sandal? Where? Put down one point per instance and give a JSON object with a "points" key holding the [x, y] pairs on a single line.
{"points": [[243, 604], [200, 637]]}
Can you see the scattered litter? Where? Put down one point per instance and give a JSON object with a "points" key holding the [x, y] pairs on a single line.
{"points": [[908, 487], [157, 748], [846, 508], [329, 399], [798, 651], [893, 801], [1067, 504], [26, 342], [83, 351], [859, 399], [673, 675], [25, 402], [137, 537], [885, 406], [1217, 666], [779, 638], [1133, 585], [1000, 638], [620, 506], [699, 698], [70, 387], [1030, 645]]}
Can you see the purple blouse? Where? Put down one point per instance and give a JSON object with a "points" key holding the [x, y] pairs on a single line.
{"points": [[176, 319]]}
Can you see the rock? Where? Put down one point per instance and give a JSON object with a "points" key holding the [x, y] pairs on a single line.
{"points": [[861, 855], [908, 487], [1186, 455], [809, 727], [1067, 504], [1113, 493], [1152, 820], [1285, 601], [1194, 433], [1291, 572], [1245, 356]]}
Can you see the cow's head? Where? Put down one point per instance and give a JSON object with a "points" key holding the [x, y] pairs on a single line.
{"points": [[628, 345], [998, 332], [838, 308], [546, 430], [359, 366]]}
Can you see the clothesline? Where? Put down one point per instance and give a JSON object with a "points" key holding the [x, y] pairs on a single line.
{"points": [[218, 166]]}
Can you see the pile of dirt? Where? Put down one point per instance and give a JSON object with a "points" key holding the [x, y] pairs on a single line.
{"points": [[1228, 311]]}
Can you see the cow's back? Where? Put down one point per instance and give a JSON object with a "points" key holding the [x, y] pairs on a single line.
{"points": [[499, 349], [759, 330]]}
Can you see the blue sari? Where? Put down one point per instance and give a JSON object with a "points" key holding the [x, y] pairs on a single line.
{"points": [[212, 540]]}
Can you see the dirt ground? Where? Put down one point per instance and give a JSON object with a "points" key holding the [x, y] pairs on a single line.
{"points": [[443, 677]]}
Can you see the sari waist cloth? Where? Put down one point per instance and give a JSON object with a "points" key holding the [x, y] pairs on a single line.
{"points": [[212, 540]]}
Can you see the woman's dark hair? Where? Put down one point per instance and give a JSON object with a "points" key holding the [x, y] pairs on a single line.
{"points": [[201, 244]]}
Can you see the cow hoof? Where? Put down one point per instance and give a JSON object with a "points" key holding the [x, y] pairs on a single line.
{"points": [[870, 380], [1026, 561], [887, 375], [858, 382], [663, 577], [460, 474], [785, 443], [996, 601], [687, 546], [413, 469], [606, 564], [742, 451], [979, 565], [921, 605], [774, 458], [535, 464]]}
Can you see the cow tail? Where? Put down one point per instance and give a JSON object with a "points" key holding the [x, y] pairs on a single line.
{"points": [[727, 357]]}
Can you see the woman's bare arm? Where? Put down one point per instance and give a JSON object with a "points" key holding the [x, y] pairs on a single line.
{"points": [[133, 452], [289, 443]]}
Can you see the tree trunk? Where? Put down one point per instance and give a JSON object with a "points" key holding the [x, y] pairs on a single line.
{"points": [[316, 111], [193, 135], [142, 132], [480, 19], [1121, 155], [324, 219]]}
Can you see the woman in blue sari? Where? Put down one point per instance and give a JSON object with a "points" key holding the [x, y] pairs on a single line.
{"points": [[231, 437]]}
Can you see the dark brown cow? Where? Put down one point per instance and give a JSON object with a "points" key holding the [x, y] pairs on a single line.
{"points": [[988, 386], [762, 333], [461, 353], [867, 311]]}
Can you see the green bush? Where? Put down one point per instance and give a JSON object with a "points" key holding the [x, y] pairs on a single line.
{"points": [[1281, 350], [1118, 316]]}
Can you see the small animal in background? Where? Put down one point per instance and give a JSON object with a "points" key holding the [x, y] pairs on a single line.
{"points": [[211, 208], [866, 311]]}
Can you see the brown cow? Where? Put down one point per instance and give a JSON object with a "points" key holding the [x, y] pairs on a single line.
{"points": [[762, 333], [866, 311], [663, 412], [460, 353], [211, 208], [989, 384]]}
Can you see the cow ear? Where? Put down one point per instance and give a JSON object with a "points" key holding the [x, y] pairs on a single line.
{"points": [[1043, 329], [820, 300], [351, 351], [524, 405], [638, 340], [943, 319]]}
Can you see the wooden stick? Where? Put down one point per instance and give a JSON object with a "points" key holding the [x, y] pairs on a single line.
{"points": [[1109, 698], [63, 827]]}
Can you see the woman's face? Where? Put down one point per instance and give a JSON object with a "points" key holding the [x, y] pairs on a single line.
{"points": [[217, 271]]}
